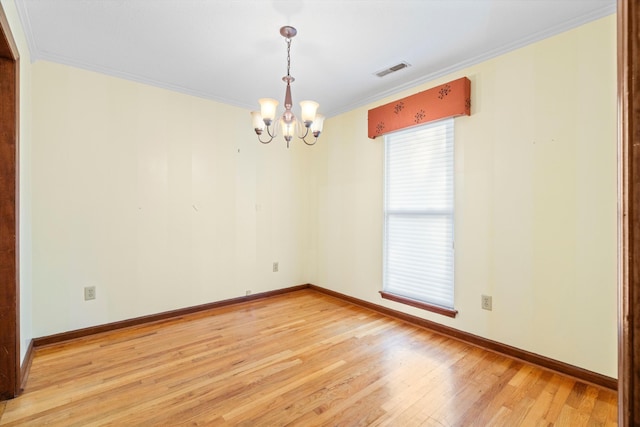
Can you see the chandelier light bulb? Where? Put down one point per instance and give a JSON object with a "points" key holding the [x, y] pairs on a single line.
{"points": [[316, 126], [268, 110], [258, 122], [288, 129], [309, 109]]}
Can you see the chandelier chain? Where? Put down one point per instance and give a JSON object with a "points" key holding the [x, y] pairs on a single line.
{"points": [[288, 56]]}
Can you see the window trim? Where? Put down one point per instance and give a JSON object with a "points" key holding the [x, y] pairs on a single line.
{"points": [[449, 312]]}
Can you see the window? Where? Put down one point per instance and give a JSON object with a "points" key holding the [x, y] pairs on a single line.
{"points": [[418, 217]]}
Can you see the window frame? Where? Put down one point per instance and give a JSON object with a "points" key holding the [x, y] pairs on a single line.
{"points": [[407, 299]]}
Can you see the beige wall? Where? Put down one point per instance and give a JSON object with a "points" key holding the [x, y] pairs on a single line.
{"points": [[159, 199], [535, 201]]}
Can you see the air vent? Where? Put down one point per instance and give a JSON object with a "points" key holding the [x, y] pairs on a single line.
{"points": [[393, 69]]}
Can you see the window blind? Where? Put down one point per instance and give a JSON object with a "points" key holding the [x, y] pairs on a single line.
{"points": [[418, 212]]}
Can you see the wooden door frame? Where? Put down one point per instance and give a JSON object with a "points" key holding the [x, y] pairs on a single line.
{"points": [[629, 215], [9, 190]]}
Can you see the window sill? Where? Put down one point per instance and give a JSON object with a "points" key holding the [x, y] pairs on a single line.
{"points": [[419, 304]]}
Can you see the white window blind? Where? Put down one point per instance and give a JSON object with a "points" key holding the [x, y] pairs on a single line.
{"points": [[418, 229]]}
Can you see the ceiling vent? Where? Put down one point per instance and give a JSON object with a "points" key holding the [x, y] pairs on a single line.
{"points": [[393, 69]]}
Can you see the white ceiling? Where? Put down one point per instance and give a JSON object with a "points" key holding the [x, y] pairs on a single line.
{"points": [[231, 50]]}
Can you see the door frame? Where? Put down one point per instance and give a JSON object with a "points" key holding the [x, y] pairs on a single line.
{"points": [[629, 212], [10, 373]]}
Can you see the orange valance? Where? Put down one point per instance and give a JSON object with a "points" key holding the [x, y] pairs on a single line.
{"points": [[448, 100]]}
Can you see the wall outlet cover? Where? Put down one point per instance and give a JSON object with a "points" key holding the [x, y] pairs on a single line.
{"points": [[486, 302]]}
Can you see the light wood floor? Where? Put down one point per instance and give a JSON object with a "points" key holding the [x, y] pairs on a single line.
{"points": [[302, 359]]}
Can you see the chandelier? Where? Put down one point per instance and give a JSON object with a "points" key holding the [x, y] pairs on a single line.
{"points": [[289, 124]]}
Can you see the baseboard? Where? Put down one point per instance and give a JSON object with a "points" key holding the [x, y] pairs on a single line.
{"points": [[507, 350], [81, 333], [504, 349], [25, 368]]}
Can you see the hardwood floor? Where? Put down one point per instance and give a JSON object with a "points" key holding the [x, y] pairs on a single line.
{"points": [[302, 358]]}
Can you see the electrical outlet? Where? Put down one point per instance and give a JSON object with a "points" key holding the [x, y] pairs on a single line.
{"points": [[89, 293], [487, 303], [275, 267]]}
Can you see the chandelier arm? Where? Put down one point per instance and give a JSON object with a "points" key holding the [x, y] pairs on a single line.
{"points": [[309, 143], [305, 134], [271, 136], [265, 142], [315, 134]]}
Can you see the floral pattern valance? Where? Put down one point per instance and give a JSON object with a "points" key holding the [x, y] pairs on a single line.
{"points": [[448, 100]]}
